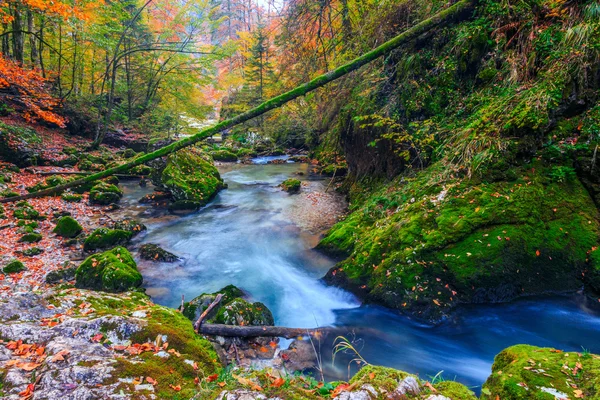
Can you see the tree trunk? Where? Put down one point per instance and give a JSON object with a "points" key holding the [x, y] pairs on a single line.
{"points": [[32, 43], [262, 331], [17, 35], [456, 10]]}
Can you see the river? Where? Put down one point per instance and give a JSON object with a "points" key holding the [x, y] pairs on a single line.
{"points": [[250, 236]]}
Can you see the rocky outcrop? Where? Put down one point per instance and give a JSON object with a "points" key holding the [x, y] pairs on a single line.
{"points": [[154, 252]]}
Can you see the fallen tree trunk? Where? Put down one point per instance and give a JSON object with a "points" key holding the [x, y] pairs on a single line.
{"points": [[406, 36], [124, 176], [266, 331]]}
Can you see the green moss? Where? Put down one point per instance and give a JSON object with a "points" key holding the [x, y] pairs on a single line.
{"points": [[245, 152], [105, 193], [129, 225], [291, 185], [103, 238], [143, 170], [196, 306], [13, 267], [32, 251], [25, 210], [30, 238], [522, 371], [51, 181], [71, 197], [111, 271], [67, 227], [241, 312], [224, 155], [422, 247], [188, 176]]}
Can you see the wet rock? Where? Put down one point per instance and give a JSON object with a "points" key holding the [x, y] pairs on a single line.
{"points": [[154, 252], [60, 275], [155, 197], [291, 185], [299, 356], [408, 386], [129, 225]]}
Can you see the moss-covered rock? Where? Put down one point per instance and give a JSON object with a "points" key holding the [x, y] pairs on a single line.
{"points": [[71, 197], [196, 306], [190, 177], [246, 153], [104, 238], [19, 145], [223, 155], [529, 372], [49, 182], [130, 225], [422, 247], [67, 227], [154, 252], [30, 238], [111, 271], [241, 312], [291, 185], [13, 267], [25, 210], [32, 251], [105, 193]]}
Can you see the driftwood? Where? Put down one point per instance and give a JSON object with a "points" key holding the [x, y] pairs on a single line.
{"points": [[266, 331], [212, 305]]}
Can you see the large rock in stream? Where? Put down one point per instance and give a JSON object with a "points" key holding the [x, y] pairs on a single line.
{"points": [[190, 177]]}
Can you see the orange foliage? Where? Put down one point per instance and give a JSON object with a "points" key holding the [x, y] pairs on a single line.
{"points": [[29, 88], [49, 7]]}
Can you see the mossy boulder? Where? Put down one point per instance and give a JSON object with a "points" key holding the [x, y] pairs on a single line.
{"points": [[241, 312], [246, 153], [105, 193], [67, 227], [32, 251], [223, 155], [154, 252], [529, 372], [422, 247], [30, 238], [196, 306], [189, 176], [131, 225], [111, 271], [291, 185], [13, 267], [104, 238], [49, 182]]}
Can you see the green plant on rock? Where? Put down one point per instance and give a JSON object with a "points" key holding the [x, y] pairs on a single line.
{"points": [[105, 193], [190, 177], [291, 185], [111, 271], [67, 227], [103, 238], [13, 267], [30, 238]]}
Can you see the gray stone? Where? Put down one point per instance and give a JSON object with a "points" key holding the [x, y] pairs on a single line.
{"points": [[408, 386]]}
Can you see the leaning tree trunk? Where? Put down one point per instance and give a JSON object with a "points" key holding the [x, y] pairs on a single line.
{"points": [[410, 34]]}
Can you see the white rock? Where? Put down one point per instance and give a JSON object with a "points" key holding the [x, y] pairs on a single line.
{"points": [[408, 385]]}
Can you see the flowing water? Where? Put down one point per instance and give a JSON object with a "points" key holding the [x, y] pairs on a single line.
{"points": [[250, 236]]}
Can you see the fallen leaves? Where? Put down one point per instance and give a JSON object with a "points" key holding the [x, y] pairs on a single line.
{"points": [[60, 356], [248, 382]]}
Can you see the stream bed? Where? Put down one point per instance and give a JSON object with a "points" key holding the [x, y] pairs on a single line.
{"points": [[259, 238]]}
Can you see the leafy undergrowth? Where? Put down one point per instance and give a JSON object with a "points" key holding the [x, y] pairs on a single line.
{"points": [[425, 243], [528, 372]]}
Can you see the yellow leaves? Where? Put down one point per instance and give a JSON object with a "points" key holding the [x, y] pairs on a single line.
{"points": [[60, 356], [247, 382]]}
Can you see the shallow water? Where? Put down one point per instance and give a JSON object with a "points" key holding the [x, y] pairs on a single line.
{"points": [[246, 237]]}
